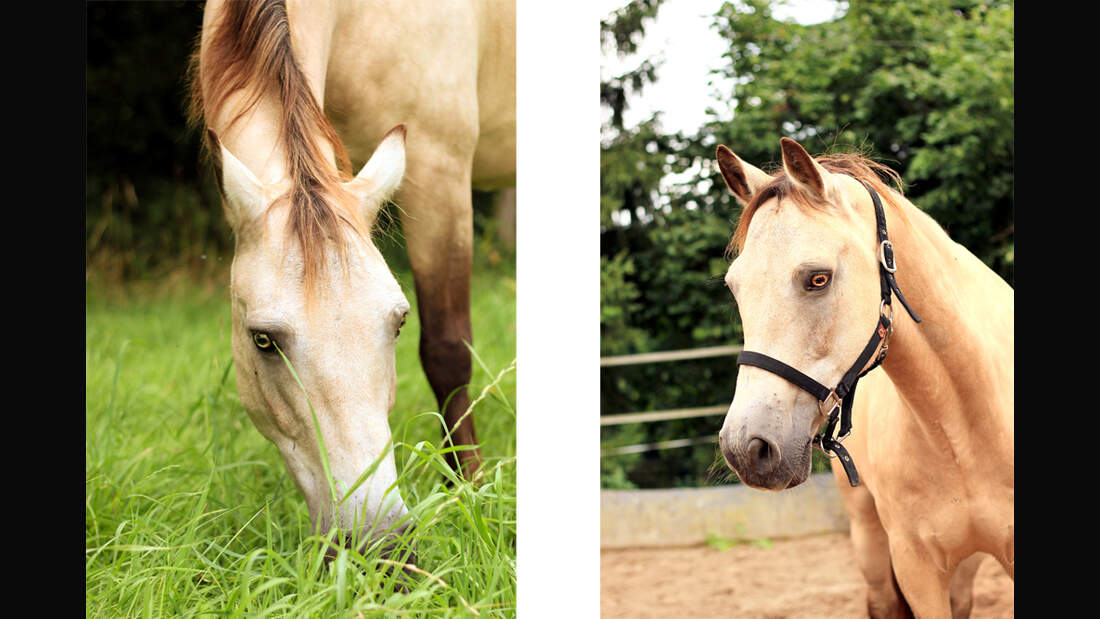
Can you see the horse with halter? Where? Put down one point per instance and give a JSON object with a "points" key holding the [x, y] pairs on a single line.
{"points": [[291, 93], [927, 473]]}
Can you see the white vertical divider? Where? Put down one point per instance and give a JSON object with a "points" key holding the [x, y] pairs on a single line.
{"points": [[557, 273]]}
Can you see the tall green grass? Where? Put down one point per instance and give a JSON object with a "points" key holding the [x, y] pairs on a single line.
{"points": [[189, 511]]}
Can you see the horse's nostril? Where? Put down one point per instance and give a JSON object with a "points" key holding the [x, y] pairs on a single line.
{"points": [[762, 455], [758, 450]]}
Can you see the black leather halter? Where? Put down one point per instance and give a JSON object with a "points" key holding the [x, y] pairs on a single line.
{"points": [[837, 402]]}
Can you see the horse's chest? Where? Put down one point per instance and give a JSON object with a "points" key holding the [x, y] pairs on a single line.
{"points": [[936, 508]]}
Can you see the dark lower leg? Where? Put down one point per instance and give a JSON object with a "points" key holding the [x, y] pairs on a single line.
{"points": [[448, 366]]}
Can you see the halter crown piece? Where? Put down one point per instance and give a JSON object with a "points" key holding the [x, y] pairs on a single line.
{"points": [[837, 402]]}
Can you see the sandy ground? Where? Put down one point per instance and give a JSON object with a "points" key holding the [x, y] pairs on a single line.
{"points": [[808, 577]]}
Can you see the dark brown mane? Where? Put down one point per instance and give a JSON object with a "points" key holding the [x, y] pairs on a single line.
{"points": [[250, 51], [781, 186]]}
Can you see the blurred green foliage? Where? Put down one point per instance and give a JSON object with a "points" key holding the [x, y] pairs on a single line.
{"points": [[924, 87], [148, 202]]}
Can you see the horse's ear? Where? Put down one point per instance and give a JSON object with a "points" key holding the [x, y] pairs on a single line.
{"points": [[381, 175], [743, 179], [802, 169], [242, 191]]}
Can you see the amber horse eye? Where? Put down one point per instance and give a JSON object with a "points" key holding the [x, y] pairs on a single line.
{"points": [[262, 341], [819, 280], [400, 326]]}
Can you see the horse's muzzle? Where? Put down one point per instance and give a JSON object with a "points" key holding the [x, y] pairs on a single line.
{"points": [[396, 553], [759, 462]]}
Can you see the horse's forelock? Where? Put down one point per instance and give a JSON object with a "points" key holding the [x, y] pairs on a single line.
{"points": [[782, 187]]}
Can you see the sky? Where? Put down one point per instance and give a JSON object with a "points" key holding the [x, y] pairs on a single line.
{"points": [[690, 48]]}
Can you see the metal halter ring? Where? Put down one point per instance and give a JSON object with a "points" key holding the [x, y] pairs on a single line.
{"points": [[817, 441], [881, 311], [836, 438]]}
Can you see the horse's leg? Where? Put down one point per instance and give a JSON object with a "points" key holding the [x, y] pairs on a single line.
{"points": [[962, 586], [504, 207], [437, 216], [872, 550], [924, 586]]}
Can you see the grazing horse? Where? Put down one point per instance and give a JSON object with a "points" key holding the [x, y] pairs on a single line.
{"points": [[291, 93], [928, 472]]}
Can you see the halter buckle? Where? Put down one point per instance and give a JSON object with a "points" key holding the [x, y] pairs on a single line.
{"points": [[886, 256], [830, 403]]}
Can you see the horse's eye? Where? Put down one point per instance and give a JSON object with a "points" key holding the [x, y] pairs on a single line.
{"points": [[398, 332], [819, 281], [263, 341]]}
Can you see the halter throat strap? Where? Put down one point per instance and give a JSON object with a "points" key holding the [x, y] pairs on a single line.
{"points": [[836, 403]]}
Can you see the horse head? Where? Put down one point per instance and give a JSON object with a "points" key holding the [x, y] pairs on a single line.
{"points": [[806, 282], [315, 359]]}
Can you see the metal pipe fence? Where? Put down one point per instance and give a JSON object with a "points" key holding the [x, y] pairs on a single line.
{"points": [[664, 415]]}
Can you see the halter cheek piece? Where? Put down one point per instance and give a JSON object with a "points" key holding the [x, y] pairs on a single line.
{"points": [[837, 403]]}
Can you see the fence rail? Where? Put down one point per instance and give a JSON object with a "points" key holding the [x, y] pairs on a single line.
{"points": [[659, 445], [664, 415], [670, 355], [677, 413]]}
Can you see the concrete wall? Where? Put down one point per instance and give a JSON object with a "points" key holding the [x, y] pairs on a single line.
{"points": [[686, 516]]}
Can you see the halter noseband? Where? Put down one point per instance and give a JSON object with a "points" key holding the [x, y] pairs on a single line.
{"points": [[840, 398]]}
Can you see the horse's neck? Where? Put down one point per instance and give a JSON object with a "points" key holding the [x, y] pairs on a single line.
{"points": [[954, 370], [254, 137]]}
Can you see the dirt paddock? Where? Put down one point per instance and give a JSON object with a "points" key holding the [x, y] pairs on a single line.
{"points": [[807, 577]]}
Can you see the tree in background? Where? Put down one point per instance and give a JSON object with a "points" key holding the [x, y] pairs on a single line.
{"points": [[926, 88], [658, 276]]}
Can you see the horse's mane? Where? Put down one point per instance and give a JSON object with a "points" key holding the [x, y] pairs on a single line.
{"points": [[781, 186], [250, 51]]}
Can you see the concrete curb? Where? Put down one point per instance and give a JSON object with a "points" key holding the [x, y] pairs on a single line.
{"points": [[687, 516]]}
